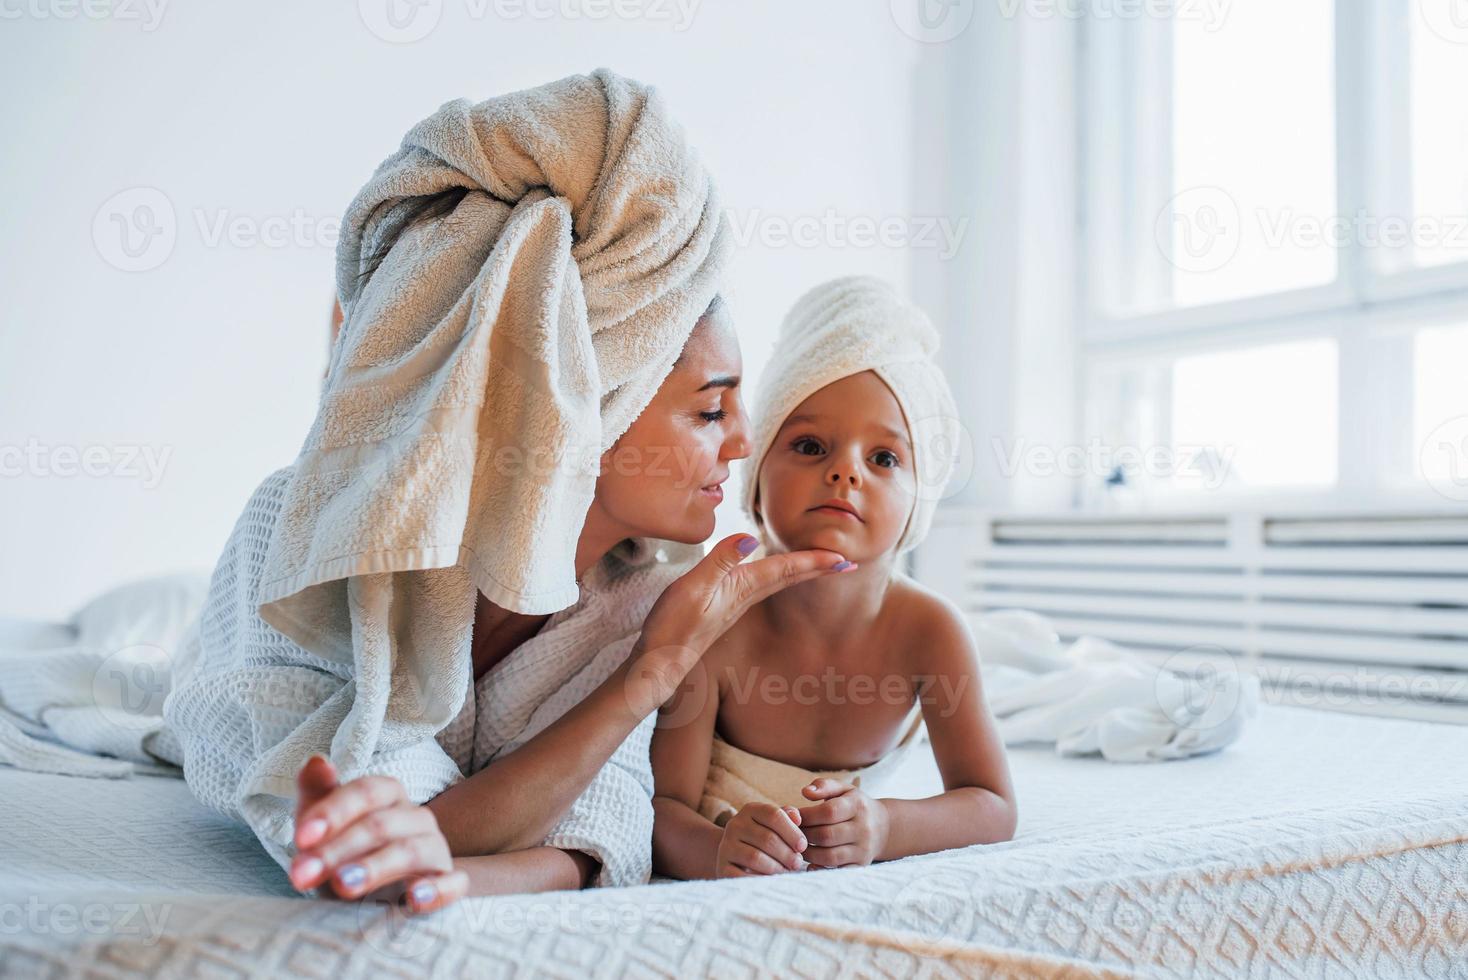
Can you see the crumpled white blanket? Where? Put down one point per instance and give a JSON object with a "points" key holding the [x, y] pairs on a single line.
{"points": [[1095, 698], [85, 697]]}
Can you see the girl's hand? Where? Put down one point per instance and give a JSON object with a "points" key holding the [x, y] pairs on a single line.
{"points": [[363, 835], [699, 607], [848, 827], [761, 839]]}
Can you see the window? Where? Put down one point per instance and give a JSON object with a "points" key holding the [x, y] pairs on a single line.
{"points": [[1439, 128], [1266, 414], [1275, 242], [1440, 408], [1251, 148]]}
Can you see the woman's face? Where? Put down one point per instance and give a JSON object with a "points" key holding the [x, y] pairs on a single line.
{"points": [[662, 478], [848, 442]]}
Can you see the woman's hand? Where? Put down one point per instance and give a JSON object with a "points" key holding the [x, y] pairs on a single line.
{"points": [[761, 839], [705, 602], [846, 827], [364, 835]]}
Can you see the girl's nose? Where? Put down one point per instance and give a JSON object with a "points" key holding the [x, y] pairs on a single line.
{"points": [[843, 472]]}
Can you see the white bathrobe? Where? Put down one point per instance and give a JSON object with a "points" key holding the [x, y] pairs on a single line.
{"points": [[249, 705]]}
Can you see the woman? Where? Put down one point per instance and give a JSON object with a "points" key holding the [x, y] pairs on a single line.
{"points": [[482, 650]]}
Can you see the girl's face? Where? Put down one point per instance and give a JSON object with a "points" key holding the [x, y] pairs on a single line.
{"points": [[662, 478], [839, 473]]}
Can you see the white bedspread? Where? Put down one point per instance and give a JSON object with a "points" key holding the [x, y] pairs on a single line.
{"points": [[1319, 845]]}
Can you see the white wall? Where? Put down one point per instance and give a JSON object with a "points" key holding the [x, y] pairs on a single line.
{"points": [[998, 148], [272, 110]]}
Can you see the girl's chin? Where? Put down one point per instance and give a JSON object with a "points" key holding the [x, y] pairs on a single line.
{"points": [[830, 539]]}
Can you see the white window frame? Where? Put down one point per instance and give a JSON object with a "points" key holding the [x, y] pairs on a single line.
{"points": [[1370, 311]]}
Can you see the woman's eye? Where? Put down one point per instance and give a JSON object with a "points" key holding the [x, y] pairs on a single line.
{"points": [[718, 416], [806, 447], [886, 458]]}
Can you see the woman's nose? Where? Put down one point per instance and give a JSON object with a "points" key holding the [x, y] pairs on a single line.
{"points": [[738, 444]]}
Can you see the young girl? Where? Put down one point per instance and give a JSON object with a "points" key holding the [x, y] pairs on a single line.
{"points": [[772, 755]]}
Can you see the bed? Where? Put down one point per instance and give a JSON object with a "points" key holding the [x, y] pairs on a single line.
{"points": [[1319, 845]]}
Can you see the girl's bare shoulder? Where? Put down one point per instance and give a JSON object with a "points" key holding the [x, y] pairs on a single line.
{"points": [[934, 628]]}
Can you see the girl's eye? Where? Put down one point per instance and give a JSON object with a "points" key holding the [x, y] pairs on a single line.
{"points": [[800, 446], [884, 456], [718, 416]]}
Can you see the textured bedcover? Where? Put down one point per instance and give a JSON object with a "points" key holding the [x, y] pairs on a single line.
{"points": [[1320, 845]]}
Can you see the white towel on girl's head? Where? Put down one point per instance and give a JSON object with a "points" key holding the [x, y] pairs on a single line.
{"points": [[480, 372], [844, 327], [1096, 698]]}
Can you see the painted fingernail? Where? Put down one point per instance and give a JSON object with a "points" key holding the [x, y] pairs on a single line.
{"points": [[307, 869], [843, 565], [424, 893], [746, 545], [311, 831], [352, 875]]}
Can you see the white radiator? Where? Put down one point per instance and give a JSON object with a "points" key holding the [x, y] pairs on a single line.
{"points": [[1364, 613]]}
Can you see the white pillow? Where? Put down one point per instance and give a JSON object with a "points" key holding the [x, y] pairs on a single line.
{"points": [[154, 611]]}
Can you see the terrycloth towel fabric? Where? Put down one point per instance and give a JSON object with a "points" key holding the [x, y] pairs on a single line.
{"points": [[250, 704], [496, 352], [1096, 698], [481, 370], [84, 697], [844, 327], [737, 777]]}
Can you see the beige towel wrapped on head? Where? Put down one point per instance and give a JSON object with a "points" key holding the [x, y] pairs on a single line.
{"points": [[482, 369], [521, 334], [737, 778]]}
